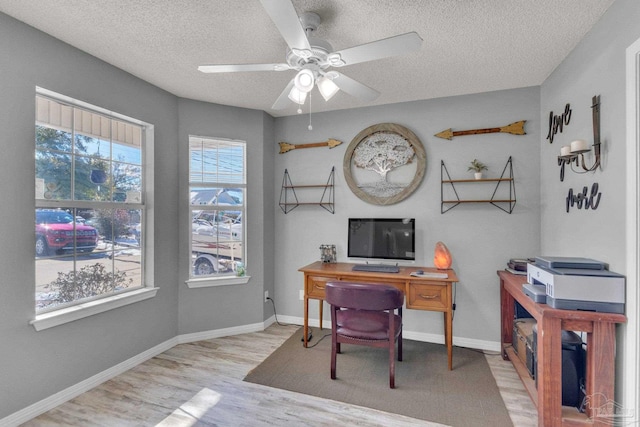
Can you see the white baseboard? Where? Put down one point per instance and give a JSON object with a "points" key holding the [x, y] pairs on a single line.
{"points": [[69, 393], [416, 336], [226, 332]]}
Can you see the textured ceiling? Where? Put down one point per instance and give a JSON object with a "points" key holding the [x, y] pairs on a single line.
{"points": [[470, 46]]}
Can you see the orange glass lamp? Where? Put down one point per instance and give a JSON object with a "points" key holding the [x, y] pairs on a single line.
{"points": [[442, 257]]}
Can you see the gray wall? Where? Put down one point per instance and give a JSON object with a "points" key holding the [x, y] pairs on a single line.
{"points": [[203, 309], [34, 364], [481, 238], [595, 67], [265, 223]]}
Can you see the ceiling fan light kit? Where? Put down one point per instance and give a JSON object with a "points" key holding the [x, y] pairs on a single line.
{"points": [[327, 87], [304, 80], [297, 96], [311, 57]]}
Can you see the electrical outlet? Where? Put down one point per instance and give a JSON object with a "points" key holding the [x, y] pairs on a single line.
{"points": [[301, 296], [266, 296]]}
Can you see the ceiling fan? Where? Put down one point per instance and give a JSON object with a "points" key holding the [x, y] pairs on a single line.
{"points": [[313, 57]]}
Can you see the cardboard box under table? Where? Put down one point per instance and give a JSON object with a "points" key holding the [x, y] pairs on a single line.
{"points": [[523, 341]]}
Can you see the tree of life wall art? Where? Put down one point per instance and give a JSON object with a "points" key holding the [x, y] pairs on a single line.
{"points": [[384, 164]]}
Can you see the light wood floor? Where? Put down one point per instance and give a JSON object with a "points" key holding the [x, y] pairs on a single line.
{"points": [[200, 384]]}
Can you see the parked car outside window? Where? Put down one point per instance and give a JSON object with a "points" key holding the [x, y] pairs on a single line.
{"points": [[55, 232]]}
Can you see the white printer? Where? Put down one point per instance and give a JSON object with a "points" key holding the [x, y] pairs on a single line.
{"points": [[578, 284]]}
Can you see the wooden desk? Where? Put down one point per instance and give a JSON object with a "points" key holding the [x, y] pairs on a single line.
{"points": [[600, 366], [420, 293]]}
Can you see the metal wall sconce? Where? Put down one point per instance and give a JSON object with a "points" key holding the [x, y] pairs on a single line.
{"points": [[575, 152]]}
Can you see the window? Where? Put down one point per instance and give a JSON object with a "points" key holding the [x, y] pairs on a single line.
{"points": [[217, 188], [89, 199]]}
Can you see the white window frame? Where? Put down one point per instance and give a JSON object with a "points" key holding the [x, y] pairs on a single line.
{"points": [[69, 313], [195, 281]]}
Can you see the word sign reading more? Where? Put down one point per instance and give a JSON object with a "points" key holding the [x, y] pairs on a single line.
{"points": [[584, 199]]}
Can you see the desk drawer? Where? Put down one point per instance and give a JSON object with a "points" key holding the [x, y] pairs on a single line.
{"points": [[427, 296], [316, 285]]}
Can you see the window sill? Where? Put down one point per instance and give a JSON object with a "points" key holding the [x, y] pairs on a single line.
{"points": [[69, 314], [217, 281]]}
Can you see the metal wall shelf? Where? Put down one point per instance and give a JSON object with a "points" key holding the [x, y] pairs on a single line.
{"points": [[505, 204], [289, 198]]}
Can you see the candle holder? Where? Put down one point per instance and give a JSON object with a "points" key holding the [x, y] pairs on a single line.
{"points": [[575, 152]]}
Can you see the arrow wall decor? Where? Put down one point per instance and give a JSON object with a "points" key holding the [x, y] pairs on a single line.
{"points": [[286, 147], [516, 128]]}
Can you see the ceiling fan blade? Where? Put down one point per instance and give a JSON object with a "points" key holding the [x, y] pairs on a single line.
{"points": [[284, 15], [283, 100], [392, 46], [242, 67], [353, 87]]}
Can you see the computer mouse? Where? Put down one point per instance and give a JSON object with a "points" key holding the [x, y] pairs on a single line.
{"points": [[419, 272]]}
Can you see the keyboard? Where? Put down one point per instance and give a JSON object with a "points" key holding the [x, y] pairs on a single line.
{"points": [[376, 268]]}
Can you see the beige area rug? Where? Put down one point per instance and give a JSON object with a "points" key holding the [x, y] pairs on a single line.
{"points": [[425, 388]]}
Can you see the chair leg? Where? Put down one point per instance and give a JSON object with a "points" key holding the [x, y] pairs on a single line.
{"points": [[392, 365], [334, 348], [400, 336]]}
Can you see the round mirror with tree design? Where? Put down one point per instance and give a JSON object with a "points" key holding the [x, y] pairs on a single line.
{"points": [[384, 164]]}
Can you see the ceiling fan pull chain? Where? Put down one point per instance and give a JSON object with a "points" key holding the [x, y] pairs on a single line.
{"points": [[310, 127]]}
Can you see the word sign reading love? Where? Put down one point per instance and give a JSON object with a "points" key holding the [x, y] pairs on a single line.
{"points": [[557, 123], [584, 199]]}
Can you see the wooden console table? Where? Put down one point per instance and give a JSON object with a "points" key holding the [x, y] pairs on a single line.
{"points": [[421, 293], [600, 363]]}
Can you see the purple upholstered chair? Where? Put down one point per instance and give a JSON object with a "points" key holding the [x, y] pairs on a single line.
{"points": [[364, 314]]}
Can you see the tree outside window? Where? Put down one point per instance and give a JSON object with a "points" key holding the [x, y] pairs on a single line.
{"points": [[89, 215]]}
